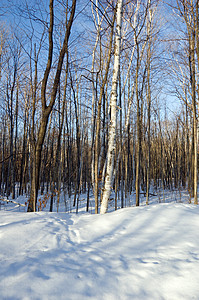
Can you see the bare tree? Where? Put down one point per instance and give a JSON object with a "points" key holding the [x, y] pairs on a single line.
{"points": [[113, 106], [46, 109]]}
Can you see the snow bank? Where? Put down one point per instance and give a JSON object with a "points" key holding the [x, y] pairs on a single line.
{"points": [[134, 253]]}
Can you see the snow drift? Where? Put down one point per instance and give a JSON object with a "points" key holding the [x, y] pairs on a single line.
{"points": [[149, 252]]}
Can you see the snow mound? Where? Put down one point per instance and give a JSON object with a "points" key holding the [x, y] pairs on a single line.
{"points": [[149, 252]]}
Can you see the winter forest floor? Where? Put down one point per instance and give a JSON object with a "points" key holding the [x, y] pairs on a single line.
{"points": [[146, 252]]}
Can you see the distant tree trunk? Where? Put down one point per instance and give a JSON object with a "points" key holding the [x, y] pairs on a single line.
{"points": [[15, 143], [58, 157], [189, 11], [138, 147], [24, 146], [192, 66], [148, 106], [78, 141], [3, 177], [10, 105]]}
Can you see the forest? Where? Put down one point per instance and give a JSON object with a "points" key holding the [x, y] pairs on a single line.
{"points": [[98, 97]]}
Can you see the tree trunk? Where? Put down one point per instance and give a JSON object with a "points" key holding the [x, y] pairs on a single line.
{"points": [[46, 110], [113, 118]]}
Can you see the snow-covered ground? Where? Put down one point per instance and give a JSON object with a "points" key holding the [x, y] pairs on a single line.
{"points": [[149, 252]]}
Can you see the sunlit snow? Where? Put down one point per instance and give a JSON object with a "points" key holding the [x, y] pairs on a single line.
{"points": [[149, 252]]}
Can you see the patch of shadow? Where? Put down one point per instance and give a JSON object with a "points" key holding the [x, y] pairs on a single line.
{"points": [[39, 274]]}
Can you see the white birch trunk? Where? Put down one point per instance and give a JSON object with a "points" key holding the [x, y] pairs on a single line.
{"points": [[113, 106], [98, 24]]}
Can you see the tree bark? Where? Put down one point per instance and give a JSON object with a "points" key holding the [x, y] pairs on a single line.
{"points": [[113, 119], [46, 109]]}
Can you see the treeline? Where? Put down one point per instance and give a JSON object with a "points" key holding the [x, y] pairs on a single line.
{"points": [[57, 106]]}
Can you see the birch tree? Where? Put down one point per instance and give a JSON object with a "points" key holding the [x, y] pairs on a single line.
{"points": [[98, 120], [113, 119]]}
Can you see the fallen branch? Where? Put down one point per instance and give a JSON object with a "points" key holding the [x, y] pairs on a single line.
{"points": [[8, 157], [12, 201], [150, 194]]}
